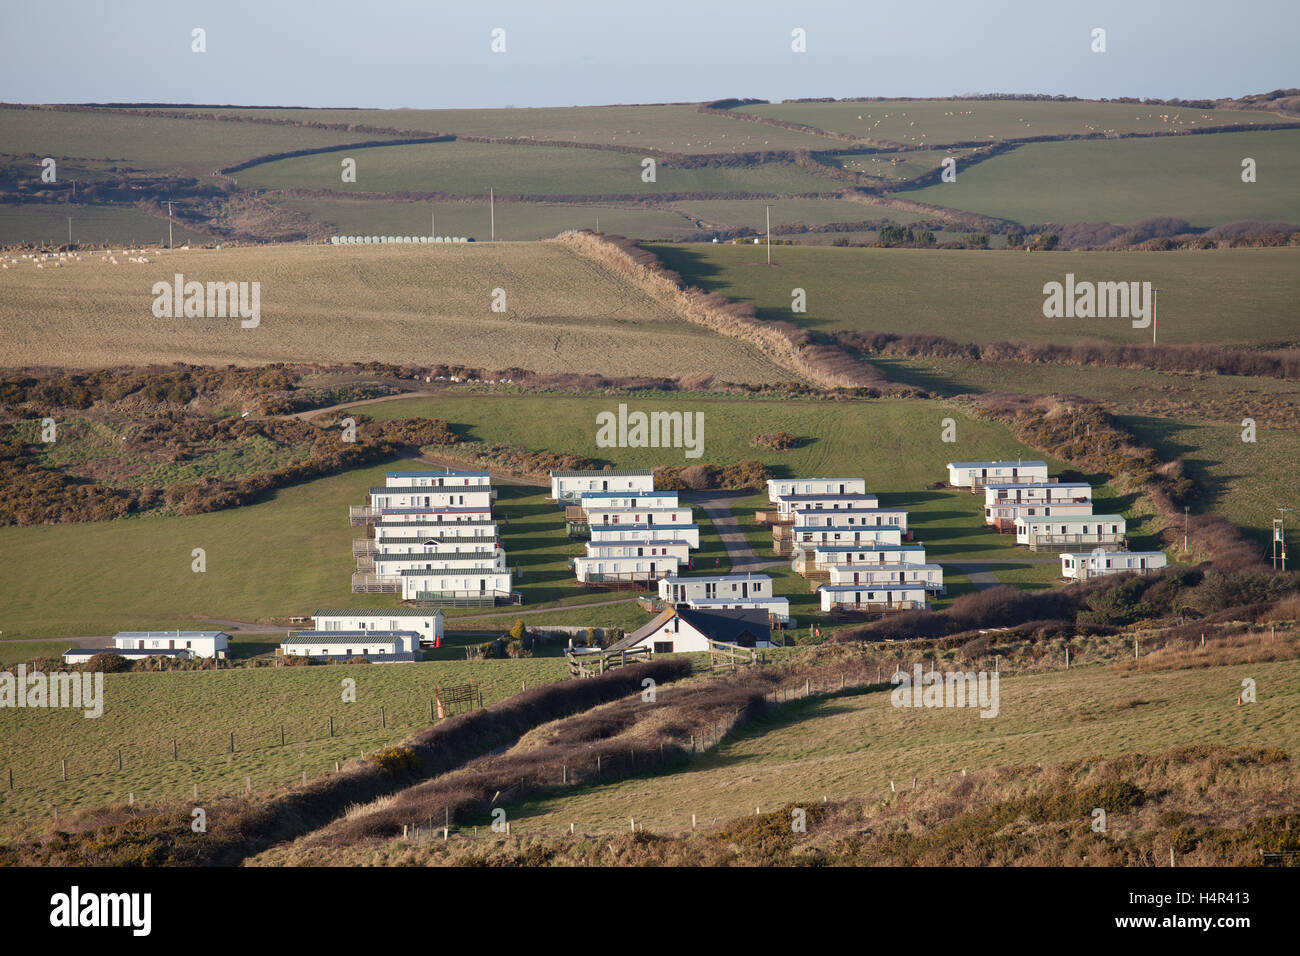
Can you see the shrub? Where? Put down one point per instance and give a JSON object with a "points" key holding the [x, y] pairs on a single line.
{"points": [[517, 630], [396, 761], [107, 662]]}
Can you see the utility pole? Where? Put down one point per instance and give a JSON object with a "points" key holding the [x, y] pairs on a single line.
{"points": [[769, 235], [169, 224], [433, 224], [492, 211], [69, 230], [1279, 537], [1186, 512]]}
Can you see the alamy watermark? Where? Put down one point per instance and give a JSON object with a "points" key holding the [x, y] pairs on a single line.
{"points": [[213, 300], [1098, 300], [625, 429], [951, 689], [81, 691]]}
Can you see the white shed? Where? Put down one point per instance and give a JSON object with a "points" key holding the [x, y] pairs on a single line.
{"points": [[568, 486]]}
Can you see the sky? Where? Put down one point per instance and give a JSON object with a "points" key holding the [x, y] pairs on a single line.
{"points": [[404, 53]]}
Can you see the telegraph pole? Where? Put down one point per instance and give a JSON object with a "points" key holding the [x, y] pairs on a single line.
{"points": [[492, 211], [69, 230], [1279, 537], [169, 224], [769, 235], [1186, 512]]}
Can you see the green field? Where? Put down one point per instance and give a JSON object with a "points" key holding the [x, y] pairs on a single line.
{"points": [[672, 128], [1228, 296], [291, 553], [195, 147], [469, 168], [907, 164], [852, 746], [939, 122], [144, 712], [1197, 178], [125, 225], [752, 213], [1246, 482], [514, 220]]}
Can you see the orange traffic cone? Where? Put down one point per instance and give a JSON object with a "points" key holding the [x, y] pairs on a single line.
{"points": [[1238, 700]]}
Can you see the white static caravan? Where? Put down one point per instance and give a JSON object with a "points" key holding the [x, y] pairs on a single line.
{"points": [[439, 547], [567, 486], [786, 505], [1072, 533], [824, 557], [627, 499], [929, 576], [678, 590], [405, 531], [806, 537], [977, 474], [447, 585], [137, 644], [1079, 566], [866, 597], [441, 497], [856, 517], [386, 563], [637, 516], [1038, 492], [377, 646], [690, 533], [624, 548], [1003, 516], [783, 487], [437, 479], [610, 570], [428, 624], [422, 516]]}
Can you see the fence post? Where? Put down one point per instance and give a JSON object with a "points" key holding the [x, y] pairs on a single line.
{"points": [[173, 748], [119, 758], [331, 726], [282, 735], [65, 769], [383, 718], [11, 778], [232, 741]]}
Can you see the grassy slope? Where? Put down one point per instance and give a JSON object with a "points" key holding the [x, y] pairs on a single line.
{"points": [[200, 709], [936, 122], [468, 169], [399, 304], [516, 220], [195, 146], [853, 746], [291, 553], [1197, 178], [677, 129], [1229, 296]]}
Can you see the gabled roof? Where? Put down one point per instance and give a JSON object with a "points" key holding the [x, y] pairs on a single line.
{"points": [[728, 626], [642, 632]]}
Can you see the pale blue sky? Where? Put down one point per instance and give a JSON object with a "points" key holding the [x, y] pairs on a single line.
{"points": [[402, 53]]}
